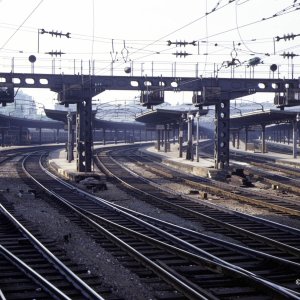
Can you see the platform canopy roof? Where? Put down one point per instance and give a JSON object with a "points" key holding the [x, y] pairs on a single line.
{"points": [[161, 116], [267, 117], [105, 124], [61, 115], [10, 121]]}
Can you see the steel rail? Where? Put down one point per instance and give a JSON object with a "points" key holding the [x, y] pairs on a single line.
{"points": [[70, 276], [221, 190], [138, 217], [35, 276], [2, 297], [232, 246], [156, 268], [279, 245], [199, 252], [274, 224]]}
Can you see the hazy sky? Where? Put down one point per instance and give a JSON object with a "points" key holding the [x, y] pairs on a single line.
{"points": [[136, 32]]}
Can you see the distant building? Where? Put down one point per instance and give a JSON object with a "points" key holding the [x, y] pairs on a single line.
{"points": [[23, 106]]}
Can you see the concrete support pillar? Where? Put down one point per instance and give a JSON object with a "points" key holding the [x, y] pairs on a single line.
{"points": [[116, 136], [197, 137], [174, 134], [233, 139], [280, 136], [189, 150], [20, 135], [104, 136], [162, 137], [180, 137], [263, 139], [57, 136], [284, 135], [158, 139], [246, 137], [80, 137], [27, 138], [288, 135], [295, 134], [88, 141], [238, 139], [166, 138], [40, 136], [70, 154], [2, 137], [133, 135]]}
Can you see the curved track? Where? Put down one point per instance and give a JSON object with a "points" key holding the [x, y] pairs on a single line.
{"points": [[279, 204], [165, 256], [32, 266], [29, 270], [236, 225], [283, 174]]}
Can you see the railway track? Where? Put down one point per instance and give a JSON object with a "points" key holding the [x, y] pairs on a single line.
{"points": [[279, 174], [278, 204], [284, 176], [32, 265], [30, 271], [232, 224], [185, 269]]}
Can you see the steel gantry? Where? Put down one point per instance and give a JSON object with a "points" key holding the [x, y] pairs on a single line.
{"points": [[80, 89]]}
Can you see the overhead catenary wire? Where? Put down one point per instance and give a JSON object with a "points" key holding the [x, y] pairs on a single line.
{"points": [[280, 13], [184, 26], [239, 32], [156, 52], [83, 37], [31, 13], [93, 29], [206, 32], [245, 25], [120, 41]]}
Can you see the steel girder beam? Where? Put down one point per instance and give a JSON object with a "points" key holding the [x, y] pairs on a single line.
{"points": [[84, 87], [230, 88]]}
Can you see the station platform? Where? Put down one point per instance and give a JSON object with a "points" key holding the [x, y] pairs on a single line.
{"points": [[58, 161], [203, 168], [280, 158]]}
